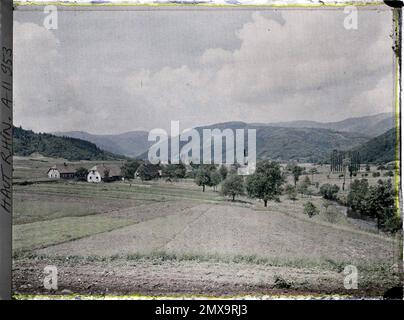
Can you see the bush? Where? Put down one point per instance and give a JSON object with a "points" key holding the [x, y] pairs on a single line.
{"points": [[281, 283], [310, 209], [329, 191], [375, 174], [202, 177]]}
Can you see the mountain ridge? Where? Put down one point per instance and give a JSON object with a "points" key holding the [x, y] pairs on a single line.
{"points": [[27, 142], [286, 136]]}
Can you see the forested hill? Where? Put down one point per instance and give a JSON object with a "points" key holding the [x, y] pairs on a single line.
{"points": [[380, 149], [27, 142]]}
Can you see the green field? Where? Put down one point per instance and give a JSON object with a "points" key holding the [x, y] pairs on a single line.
{"points": [[159, 226]]}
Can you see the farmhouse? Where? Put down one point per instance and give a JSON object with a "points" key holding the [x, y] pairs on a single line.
{"points": [[61, 172], [101, 172]]}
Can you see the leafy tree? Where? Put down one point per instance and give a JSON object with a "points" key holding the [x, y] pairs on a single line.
{"points": [[310, 209], [357, 196], [377, 202], [266, 182], [233, 186], [223, 172], [202, 177], [215, 179], [381, 205], [81, 174], [329, 191], [129, 169]]}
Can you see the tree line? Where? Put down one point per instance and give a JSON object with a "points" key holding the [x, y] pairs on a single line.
{"points": [[268, 183]]}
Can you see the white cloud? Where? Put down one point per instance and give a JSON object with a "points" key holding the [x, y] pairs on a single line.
{"points": [[295, 70], [307, 67]]}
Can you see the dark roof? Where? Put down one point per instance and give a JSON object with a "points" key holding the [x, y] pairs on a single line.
{"points": [[114, 171], [64, 168]]}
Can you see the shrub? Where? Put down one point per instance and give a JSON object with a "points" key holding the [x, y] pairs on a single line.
{"points": [[281, 283], [329, 191], [310, 209]]}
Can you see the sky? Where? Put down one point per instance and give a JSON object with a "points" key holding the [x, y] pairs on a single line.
{"points": [[117, 71]]}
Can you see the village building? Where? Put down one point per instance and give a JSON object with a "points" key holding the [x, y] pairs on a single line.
{"points": [[53, 173], [105, 173], [63, 171]]}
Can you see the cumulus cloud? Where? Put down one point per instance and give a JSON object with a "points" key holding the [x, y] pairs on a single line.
{"points": [[288, 66]]}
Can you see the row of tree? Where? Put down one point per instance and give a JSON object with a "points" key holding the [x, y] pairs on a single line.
{"points": [[265, 183]]}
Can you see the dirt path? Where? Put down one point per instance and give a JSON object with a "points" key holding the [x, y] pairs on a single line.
{"points": [[156, 277]]}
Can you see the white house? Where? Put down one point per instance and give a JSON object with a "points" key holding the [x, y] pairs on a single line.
{"points": [[53, 173], [93, 175]]}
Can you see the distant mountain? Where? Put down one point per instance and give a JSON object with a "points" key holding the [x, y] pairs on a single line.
{"points": [[130, 144], [283, 140], [380, 149], [371, 126], [27, 142], [279, 143]]}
